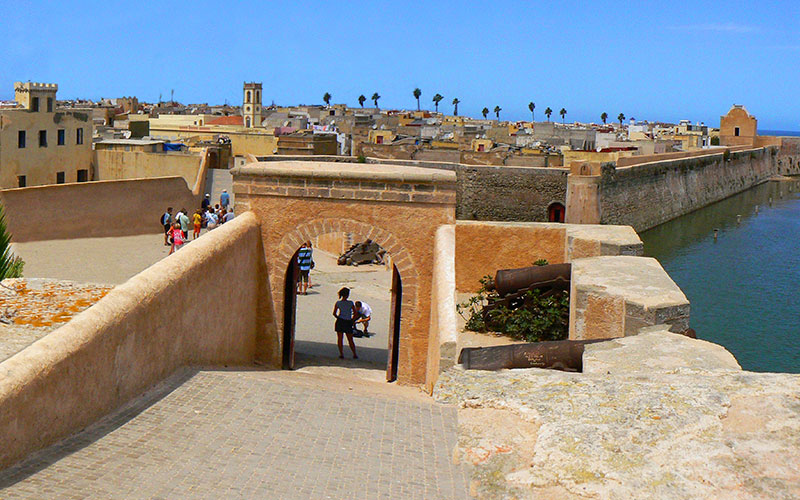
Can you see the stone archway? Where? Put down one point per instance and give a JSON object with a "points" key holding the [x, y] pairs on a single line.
{"points": [[400, 208]]}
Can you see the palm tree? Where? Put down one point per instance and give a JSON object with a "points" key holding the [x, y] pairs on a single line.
{"points": [[563, 113], [497, 110], [485, 112], [548, 112], [417, 94], [455, 103], [436, 100], [327, 98], [531, 107], [361, 100], [375, 98], [621, 118], [604, 117], [10, 266]]}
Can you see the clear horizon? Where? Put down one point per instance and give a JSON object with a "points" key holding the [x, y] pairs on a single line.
{"points": [[638, 59]]}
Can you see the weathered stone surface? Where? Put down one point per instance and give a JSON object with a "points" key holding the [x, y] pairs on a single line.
{"points": [[656, 349], [712, 434]]}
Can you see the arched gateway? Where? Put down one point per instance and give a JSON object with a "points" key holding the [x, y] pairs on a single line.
{"points": [[400, 208]]}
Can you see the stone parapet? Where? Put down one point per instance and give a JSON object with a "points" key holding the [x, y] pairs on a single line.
{"points": [[346, 182], [617, 296]]}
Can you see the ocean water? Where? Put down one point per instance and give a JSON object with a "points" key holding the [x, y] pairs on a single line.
{"points": [[779, 132], [744, 286]]}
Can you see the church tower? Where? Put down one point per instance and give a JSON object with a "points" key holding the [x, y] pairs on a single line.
{"points": [[251, 107]]}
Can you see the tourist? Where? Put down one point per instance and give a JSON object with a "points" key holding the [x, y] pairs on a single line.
{"points": [[224, 199], [304, 264], [198, 222], [363, 315], [166, 222], [211, 219], [229, 216], [206, 202], [177, 238], [343, 312], [184, 221], [311, 250]]}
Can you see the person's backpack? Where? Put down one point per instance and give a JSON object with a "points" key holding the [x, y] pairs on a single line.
{"points": [[163, 218]]}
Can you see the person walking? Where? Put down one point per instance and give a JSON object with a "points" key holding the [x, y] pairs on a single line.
{"points": [[343, 312], [363, 315], [206, 202], [183, 219], [197, 219], [304, 263], [166, 222], [212, 220], [176, 235], [228, 216], [224, 199]]}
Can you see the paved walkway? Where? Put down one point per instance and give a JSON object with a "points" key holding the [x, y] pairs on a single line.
{"points": [[255, 434]]}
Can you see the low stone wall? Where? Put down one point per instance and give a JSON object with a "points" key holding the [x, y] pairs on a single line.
{"points": [[617, 296], [482, 248], [115, 165], [649, 194], [442, 350], [138, 334], [93, 209]]}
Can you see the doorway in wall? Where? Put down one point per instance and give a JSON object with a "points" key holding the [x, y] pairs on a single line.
{"points": [[309, 338], [556, 212]]}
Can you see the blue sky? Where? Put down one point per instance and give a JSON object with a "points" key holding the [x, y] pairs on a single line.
{"points": [[649, 60]]}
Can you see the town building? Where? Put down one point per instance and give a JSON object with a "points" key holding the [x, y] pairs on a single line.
{"points": [[251, 107], [738, 127], [42, 144]]}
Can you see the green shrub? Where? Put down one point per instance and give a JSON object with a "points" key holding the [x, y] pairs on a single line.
{"points": [[10, 265], [540, 318], [361, 159]]}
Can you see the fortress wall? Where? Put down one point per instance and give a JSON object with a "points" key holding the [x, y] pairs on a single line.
{"points": [[140, 333], [649, 194], [93, 209], [443, 336], [114, 165]]}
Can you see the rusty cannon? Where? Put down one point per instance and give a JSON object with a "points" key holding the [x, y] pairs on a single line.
{"points": [[512, 285], [367, 252], [564, 355]]}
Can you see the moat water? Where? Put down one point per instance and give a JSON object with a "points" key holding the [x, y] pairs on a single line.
{"points": [[743, 286]]}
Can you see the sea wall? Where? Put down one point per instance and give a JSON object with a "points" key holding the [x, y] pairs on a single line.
{"points": [[138, 334], [93, 209], [650, 194]]}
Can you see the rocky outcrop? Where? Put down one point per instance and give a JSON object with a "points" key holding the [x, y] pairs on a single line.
{"points": [[683, 422]]}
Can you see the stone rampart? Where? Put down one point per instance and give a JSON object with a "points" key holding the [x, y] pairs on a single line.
{"points": [[443, 335], [650, 194], [93, 209], [138, 334], [114, 165]]}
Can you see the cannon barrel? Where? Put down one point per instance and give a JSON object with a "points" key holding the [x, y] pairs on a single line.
{"points": [[565, 355], [511, 280]]}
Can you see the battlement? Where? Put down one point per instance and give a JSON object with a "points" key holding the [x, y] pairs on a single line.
{"points": [[252, 85], [35, 86]]}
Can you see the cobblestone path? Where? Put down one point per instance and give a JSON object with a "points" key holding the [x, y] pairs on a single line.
{"points": [[255, 434]]}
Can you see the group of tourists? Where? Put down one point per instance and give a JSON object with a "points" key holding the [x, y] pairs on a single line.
{"points": [[176, 228], [348, 316]]}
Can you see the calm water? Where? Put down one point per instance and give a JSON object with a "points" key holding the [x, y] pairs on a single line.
{"points": [[743, 287]]}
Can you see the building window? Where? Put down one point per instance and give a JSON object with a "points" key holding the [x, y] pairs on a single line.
{"points": [[79, 136], [248, 97], [247, 122], [247, 109], [61, 135], [21, 139], [83, 175], [60, 178], [35, 104], [49, 104], [43, 138], [736, 131], [21, 181], [258, 96]]}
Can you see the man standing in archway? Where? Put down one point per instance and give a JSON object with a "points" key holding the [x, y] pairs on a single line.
{"points": [[304, 264]]}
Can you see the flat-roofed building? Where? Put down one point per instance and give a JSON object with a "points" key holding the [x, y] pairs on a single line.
{"points": [[40, 144]]}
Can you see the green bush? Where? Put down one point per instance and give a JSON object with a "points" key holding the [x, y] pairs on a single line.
{"points": [[10, 265], [361, 159], [540, 318]]}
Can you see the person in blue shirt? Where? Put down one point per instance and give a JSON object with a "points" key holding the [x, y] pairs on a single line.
{"points": [[304, 262], [224, 199]]}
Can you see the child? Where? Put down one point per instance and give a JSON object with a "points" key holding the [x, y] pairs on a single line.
{"points": [[198, 221], [177, 238]]}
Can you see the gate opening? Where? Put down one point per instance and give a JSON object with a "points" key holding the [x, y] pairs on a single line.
{"points": [[309, 337]]}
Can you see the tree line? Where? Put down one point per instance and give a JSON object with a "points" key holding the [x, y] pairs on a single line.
{"points": [[417, 93]]}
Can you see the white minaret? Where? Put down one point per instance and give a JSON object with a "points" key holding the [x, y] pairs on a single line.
{"points": [[251, 106]]}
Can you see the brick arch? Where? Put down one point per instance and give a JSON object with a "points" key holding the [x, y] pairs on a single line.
{"points": [[401, 257]]}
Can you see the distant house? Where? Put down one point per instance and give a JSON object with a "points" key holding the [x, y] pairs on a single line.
{"points": [[738, 127]]}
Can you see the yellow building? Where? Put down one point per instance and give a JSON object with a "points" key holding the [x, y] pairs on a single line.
{"points": [[603, 156], [40, 144], [254, 141], [381, 136], [738, 127], [481, 145]]}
